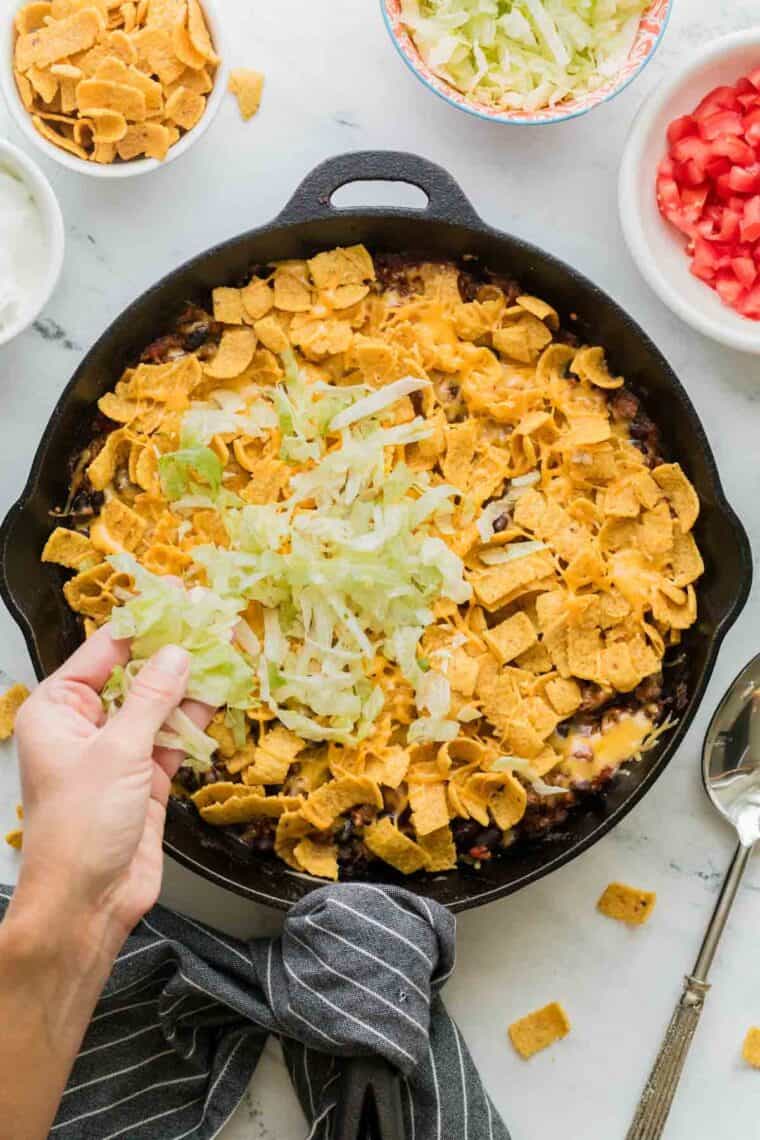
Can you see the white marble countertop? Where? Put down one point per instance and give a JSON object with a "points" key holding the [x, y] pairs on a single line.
{"points": [[335, 84]]}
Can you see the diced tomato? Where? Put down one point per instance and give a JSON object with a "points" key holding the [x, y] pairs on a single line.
{"points": [[721, 123], [693, 201], [729, 225], [723, 189], [745, 270], [719, 99], [718, 165], [750, 223], [724, 228], [744, 179], [681, 128], [728, 288], [737, 150], [708, 187], [705, 262], [691, 173], [668, 194], [749, 306], [691, 147], [751, 123]]}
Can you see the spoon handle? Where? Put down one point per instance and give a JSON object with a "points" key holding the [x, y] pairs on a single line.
{"points": [[660, 1089]]}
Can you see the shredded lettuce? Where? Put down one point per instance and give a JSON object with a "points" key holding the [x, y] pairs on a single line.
{"points": [[162, 612], [346, 568], [179, 731], [526, 769], [432, 728], [524, 54], [500, 554], [190, 471]]}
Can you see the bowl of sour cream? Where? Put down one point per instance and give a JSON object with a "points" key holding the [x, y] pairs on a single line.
{"points": [[31, 241]]}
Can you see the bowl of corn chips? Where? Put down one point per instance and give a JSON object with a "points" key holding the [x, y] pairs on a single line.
{"points": [[113, 89]]}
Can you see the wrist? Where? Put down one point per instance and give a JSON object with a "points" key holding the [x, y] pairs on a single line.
{"points": [[48, 922]]}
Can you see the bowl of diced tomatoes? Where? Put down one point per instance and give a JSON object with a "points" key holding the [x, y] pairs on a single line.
{"points": [[689, 191]]}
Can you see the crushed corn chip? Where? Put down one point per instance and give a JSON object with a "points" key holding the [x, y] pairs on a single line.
{"points": [[627, 904], [540, 1029], [236, 350], [247, 86], [10, 702], [751, 1047], [320, 859], [70, 549], [388, 843], [111, 81]]}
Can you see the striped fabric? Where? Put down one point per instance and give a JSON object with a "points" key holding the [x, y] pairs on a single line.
{"points": [[185, 1014]]}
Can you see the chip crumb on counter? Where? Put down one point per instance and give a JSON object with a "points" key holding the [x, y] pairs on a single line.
{"points": [[15, 839], [10, 702], [539, 1029], [751, 1047], [626, 904], [247, 86]]}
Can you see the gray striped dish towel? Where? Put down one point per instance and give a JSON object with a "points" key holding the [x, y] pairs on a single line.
{"points": [[185, 1015]]}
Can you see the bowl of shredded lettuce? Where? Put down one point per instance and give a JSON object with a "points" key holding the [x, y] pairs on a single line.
{"points": [[526, 61]]}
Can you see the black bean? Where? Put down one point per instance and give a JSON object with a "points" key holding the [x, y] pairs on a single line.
{"points": [[353, 859], [501, 523], [344, 832], [187, 779], [680, 696], [465, 832], [259, 835], [489, 837], [196, 337]]}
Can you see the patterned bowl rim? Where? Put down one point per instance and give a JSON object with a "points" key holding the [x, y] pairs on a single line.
{"points": [[658, 14]]}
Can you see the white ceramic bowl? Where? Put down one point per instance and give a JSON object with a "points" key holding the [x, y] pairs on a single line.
{"points": [[657, 247], [15, 161], [212, 8]]}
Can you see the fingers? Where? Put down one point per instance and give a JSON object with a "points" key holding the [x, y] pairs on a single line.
{"points": [[77, 696], [94, 661], [170, 759], [155, 692]]}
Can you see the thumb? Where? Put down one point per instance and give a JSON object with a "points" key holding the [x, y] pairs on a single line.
{"points": [[154, 694]]}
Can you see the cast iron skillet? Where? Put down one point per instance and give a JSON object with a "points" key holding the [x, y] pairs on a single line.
{"points": [[448, 226]]}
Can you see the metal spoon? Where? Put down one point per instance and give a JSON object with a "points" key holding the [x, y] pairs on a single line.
{"points": [[731, 774]]}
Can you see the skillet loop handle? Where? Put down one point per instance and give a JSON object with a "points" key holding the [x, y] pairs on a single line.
{"points": [[447, 202], [369, 1102]]}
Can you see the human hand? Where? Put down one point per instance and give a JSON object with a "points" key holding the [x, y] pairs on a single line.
{"points": [[95, 791]]}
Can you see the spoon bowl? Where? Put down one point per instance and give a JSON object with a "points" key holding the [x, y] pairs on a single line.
{"points": [[731, 755]]}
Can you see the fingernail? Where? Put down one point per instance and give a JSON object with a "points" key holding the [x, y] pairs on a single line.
{"points": [[172, 659]]}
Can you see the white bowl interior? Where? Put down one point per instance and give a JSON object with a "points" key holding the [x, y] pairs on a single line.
{"points": [[17, 163], [658, 248], [114, 170]]}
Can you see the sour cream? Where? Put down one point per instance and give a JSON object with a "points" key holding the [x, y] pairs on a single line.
{"points": [[24, 256]]}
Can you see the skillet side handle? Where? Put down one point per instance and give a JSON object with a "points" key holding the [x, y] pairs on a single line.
{"points": [[447, 202], [369, 1102]]}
